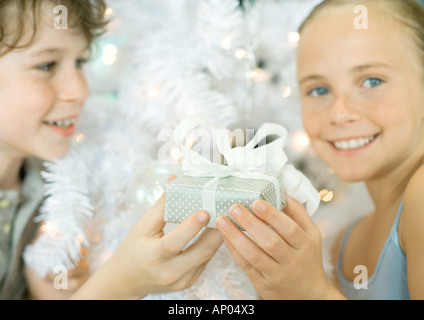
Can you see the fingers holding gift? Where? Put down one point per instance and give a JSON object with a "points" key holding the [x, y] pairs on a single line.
{"points": [[204, 248], [252, 251], [273, 231], [176, 239], [247, 267], [286, 227], [279, 258], [297, 213], [186, 266]]}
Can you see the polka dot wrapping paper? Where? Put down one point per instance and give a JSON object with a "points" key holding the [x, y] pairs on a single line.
{"points": [[184, 195]]}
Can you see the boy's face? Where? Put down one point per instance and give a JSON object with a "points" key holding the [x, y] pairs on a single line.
{"points": [[42, 92], [361, 93]]}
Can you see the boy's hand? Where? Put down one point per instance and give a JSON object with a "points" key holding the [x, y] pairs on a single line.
{"points": [[149, 261], [58, 286], [157, 262]]}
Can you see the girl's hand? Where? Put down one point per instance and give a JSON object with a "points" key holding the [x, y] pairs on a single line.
{"points": [[282, 254], [149, 261]]}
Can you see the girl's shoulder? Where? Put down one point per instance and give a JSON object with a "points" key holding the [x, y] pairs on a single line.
{"points": [[411, 222], [411, 235]]}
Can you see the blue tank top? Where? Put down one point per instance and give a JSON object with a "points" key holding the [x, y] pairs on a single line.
{"points": [[389, 280]]}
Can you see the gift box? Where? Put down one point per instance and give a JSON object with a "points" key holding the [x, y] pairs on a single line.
{"points": [[184, 196], [255, 171]]}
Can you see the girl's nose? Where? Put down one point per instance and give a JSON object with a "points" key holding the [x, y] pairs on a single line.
{"points": [[344, 111]]}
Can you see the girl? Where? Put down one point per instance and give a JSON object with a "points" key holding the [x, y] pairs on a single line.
{"points": [[42, 92], [362, 95]]}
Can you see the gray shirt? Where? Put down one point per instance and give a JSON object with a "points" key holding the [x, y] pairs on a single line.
{"points": [[17, 229]]}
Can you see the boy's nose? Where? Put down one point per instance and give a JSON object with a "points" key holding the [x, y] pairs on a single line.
{"points": [[343, 111], [74, 87]]}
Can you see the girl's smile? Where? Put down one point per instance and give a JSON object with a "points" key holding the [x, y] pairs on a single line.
{"points": [[353, 145]]}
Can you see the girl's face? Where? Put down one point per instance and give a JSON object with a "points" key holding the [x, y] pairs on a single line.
{"points": [[42, 92], [362, 93]]}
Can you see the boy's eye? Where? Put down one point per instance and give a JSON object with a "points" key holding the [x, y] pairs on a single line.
{"points": [[372, 83], [47, 67], [318, 92]]}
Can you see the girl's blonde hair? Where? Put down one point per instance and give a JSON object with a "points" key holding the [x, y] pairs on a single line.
{"points": [[408, 12], [88, 15]]}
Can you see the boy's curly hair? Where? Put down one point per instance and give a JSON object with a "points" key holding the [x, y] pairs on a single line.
{"points": [[88, 15]]}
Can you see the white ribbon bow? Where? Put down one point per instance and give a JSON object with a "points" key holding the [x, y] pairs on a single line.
{"points": [[253, 161]]}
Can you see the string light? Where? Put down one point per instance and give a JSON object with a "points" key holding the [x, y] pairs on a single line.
{"points": [[293, 37], [259, 75], [176, 154], [301, 141], [108, 12], [80, 138], [226, 43], [153, 92], [326, 195], [287, 91], [80, 238], [110, 54], [241, 54], [49, 228]]}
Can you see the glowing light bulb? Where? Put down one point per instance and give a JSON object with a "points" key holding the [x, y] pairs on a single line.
{"points": [[110, 54], [108, 12], [241, 54], [226, 43], [153, 92], [176, 154], [326, 195], [259, 75], [80, 138], [49, 228], [293, 37], [301, 141], [80, 238], [287, 91]]}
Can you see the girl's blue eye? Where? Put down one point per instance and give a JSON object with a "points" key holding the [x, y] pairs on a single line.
{"points": [[80, 63], [372, 83], [47, 67], [318, 92]]}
